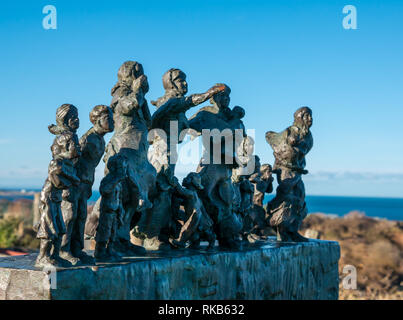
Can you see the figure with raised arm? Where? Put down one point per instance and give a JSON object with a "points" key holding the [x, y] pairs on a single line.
{"points": [[222, 132], [132, 121], [169, 123], [170, 117]]}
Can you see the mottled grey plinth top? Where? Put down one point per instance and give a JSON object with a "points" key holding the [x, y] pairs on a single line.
{"points": [[270, 270]]}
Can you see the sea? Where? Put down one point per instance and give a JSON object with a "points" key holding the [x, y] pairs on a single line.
{"points": [[386, 208]]}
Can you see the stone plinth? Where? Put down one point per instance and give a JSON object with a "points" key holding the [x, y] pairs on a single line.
{"points": [[269, 271]]}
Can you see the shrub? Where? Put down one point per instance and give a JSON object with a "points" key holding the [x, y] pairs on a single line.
{"points": [[8, 232]]}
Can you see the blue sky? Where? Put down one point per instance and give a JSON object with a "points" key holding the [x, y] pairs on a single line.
{"points": [[275, 56]]}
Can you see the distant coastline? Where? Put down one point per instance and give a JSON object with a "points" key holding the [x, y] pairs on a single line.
{"points": [[386, 208], [14, 194]]}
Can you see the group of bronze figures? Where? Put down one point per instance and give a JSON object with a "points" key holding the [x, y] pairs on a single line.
{"points": [[142, 205]]}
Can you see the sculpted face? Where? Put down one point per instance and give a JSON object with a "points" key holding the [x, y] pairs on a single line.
{"points": [[137, 70], [73, 122], [144, 85], [257, 164], [193, 180], [222, 100], [303, 117], [105, 121], [266, 171], [238, 112], [247, 146], [129, 71], [307, 119], [180, 83]]}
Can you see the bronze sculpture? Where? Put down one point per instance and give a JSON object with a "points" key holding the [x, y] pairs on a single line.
{"points": [[111, 209], [132, 120], [262, 182], [171, 109], [197, 225], [61, 182], [287, 210], [153, 228], [168, 124], [92, 145], [223, 200], [67, 123], [243, 201], [216, 170]]}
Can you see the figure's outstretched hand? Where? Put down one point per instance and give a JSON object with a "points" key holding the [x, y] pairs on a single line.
{"points": [[216, 89]]}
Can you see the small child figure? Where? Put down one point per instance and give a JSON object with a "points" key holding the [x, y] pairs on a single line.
{"points": [[243, 200], [198, 225], [262, 181], [61, 176], [111, 209], [237, 113]]}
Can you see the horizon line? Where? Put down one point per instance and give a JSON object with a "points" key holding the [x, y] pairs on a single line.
{"points": [[27, 190]]}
